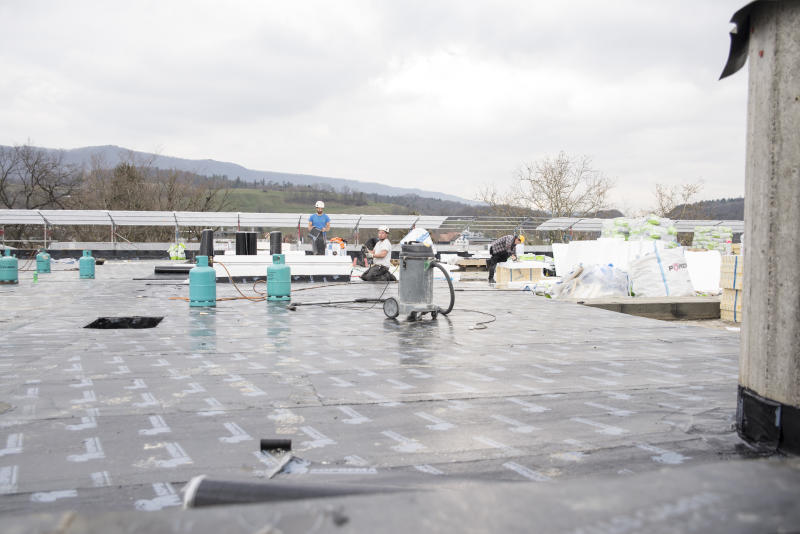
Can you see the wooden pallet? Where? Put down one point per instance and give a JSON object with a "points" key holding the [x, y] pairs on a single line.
{"points": [[518, 275], [470, 264]]}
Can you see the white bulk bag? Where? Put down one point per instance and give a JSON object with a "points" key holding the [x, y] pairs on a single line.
{"points": [[661, 273]]}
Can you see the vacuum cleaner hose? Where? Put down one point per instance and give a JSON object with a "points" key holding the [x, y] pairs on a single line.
{"points": [[450, 285]]}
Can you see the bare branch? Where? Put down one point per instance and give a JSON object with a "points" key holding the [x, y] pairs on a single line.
{"points": [[564, 187], [675, 201]]}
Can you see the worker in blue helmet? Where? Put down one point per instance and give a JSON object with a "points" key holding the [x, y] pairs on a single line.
{"points": [[502, 249]]}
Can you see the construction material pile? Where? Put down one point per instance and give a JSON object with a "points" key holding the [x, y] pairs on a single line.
{"points": [[731, 280], [651, 227], [592, 281], [719, 238]]}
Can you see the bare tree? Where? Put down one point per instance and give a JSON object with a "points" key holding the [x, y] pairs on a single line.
{"points": [[135, 184], [9, 167], [563, 186], [121, 187], [560, 186], [33, 178], [502, 204], [677, 201], [182, 191]]}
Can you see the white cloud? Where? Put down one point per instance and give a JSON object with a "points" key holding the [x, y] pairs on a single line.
{"points": [[438, 95]]}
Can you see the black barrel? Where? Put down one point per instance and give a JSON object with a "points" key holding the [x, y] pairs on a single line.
{"points": [[275, 243], [207, 243], [241, 243], [252, 243], [246, 243]]}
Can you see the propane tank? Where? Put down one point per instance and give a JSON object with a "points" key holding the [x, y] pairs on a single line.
{"points": [[9, 269], [43, 262], [202, 284], [279, 279], [86, 265]]}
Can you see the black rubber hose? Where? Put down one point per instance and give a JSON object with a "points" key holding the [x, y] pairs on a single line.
{"points": [[450, 284], [326, 303]]}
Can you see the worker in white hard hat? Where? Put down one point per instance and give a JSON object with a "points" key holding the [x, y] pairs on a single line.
{"points": [[318, 224], [382, 251], [381, 254]]}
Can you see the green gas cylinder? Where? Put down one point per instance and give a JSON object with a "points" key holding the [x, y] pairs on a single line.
{"points": [[9, 269], [202, 284], [279, 279], [86, 265], [43, 262]]}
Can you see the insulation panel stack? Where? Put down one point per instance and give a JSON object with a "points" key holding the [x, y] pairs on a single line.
{"points": [[731, 280], [505, 275]]}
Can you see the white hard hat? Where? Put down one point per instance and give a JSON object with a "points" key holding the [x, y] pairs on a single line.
{"points": [[383, 229], [319, 204]]}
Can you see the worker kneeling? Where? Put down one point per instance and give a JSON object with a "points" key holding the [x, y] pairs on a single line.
{"points": [[381, 254]]}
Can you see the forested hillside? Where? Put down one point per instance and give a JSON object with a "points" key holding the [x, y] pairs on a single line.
{"points": [[288, 197], [721, 209]]}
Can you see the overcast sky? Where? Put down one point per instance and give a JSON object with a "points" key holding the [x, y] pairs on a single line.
{"points": [[445, 96]]}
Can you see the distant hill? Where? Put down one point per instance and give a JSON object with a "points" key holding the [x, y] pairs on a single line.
{"points": [[208, 167], [730, 209], [273, 197], [609, 214]]}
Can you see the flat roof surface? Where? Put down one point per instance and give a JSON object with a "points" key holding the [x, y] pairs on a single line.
{"points": [[509, 388]]}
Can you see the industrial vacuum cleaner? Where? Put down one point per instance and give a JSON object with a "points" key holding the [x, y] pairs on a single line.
{"points": [[415, 291]]}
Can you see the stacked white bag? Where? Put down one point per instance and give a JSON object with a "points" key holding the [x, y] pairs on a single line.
{"points": [[719, 238], [661, 273], [650, 228]]}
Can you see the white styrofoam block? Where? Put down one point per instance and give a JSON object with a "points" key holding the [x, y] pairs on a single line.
{"points": [[560, 258], [523, 264], [603, 251], [704, 269]]}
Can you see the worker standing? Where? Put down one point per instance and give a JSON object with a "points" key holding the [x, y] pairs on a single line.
{"points": [[318, 224], [501, 249]]}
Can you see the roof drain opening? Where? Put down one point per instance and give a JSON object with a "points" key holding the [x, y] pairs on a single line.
{"points": [[124, 322]]}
